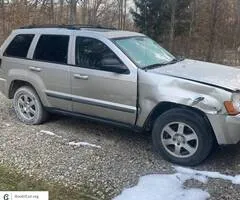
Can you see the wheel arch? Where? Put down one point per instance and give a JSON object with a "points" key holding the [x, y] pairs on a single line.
{"points": [[163, 107], [17, 83]]}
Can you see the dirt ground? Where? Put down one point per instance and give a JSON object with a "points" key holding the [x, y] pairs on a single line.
{"points": [[109, 160]]}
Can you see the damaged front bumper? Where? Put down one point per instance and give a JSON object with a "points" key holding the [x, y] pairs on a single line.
{"points": [[226, 128]]}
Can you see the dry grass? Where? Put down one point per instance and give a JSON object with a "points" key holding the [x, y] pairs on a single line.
{"points": [[11, 180]]}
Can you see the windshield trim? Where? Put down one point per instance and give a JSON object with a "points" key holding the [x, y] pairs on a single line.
{"points": [[128, 37]]}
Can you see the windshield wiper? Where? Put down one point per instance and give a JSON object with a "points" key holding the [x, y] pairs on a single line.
{"points": [[154, 66], [173, 61]]}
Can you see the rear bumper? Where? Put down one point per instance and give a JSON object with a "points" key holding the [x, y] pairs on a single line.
{"points": [[226, 128]]}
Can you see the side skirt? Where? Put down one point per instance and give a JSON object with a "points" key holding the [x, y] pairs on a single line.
{"points": [[96, 119]]}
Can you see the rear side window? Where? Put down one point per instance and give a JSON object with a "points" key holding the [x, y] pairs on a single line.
{"points": [[19, 46], [52, 48]]}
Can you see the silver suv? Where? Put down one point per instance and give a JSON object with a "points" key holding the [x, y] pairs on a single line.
{"points": [[126, 79]]}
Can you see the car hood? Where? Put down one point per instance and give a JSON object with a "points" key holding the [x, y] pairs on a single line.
{"points": [[204, 72]]}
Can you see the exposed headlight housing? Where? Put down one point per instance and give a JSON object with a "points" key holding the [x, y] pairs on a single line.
{"points": [[233, 106]]}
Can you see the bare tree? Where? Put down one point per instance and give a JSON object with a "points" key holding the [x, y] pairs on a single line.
{"points": [[60, 15], [120, 13], [3, 16], [173, 4], [125, 14], [93, 10], [52, 16], [73, 11], [237, 33], [192, 24], [213, 22], [84, 11]]}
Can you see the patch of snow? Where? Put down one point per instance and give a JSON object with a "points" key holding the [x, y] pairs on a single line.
{"points": [[170, 187], [202, 179], [78, 144], [7, 125], [216, 175], [50, 133], [167, 187], [236, 180]]}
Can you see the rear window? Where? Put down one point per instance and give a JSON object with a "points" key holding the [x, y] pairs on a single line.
{"points": [[52, 48], [19, 46]]}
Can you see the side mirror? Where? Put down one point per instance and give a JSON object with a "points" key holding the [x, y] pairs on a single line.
{"points": [[180, 58], [114, 65]]}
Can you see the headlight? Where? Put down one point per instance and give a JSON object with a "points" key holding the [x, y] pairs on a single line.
{"points": [[233, 106]]}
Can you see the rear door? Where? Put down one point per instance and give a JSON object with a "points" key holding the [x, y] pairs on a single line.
{"points": [[98, 91], [50, 62]]}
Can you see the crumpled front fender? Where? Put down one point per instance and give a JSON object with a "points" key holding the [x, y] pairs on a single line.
{"points": [[155, 89]]}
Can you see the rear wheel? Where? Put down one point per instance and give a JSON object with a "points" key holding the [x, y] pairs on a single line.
{"points": [[28, 106], [182, 137]]}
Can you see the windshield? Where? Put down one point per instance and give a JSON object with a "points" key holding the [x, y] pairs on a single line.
{"points": [[144, 51]]}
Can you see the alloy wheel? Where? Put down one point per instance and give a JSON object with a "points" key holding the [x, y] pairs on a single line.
{"points": [[26, 106], [179, 139]]}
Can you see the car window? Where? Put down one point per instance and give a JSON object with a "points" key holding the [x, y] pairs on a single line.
{"points": [[144, 51], [91, 53], [52, 48], [19, 46]]}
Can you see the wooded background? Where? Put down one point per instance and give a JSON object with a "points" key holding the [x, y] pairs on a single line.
{"points": [[201, 29]]}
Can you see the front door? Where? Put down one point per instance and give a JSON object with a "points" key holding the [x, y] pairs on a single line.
{"points": [[99, 91]]}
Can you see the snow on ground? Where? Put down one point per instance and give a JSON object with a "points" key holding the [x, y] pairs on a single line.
{"points": [[78, 144], [171, 186], [49, 133], [167, 187], [207, 174], [7, 125]]}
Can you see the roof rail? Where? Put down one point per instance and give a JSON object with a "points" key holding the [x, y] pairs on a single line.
{"points": [[66, 26]]}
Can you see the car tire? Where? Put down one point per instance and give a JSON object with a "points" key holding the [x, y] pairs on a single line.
{"points": [[28, 106], [182, 137]]}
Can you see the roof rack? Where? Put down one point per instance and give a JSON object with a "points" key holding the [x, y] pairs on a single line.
{"points": [[66, 26]]}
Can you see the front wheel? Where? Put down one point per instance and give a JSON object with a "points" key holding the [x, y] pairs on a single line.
{"points": [[28, 106], [183, 137]]}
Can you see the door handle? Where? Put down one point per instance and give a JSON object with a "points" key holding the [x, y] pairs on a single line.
{"points": [[79, 76], [35, 69]]}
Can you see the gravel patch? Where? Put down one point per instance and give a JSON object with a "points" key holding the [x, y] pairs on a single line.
{"points": [[104, 158]]}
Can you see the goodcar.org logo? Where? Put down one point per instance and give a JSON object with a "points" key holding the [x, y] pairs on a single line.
{"points": [[5, 196], [8, 195]]}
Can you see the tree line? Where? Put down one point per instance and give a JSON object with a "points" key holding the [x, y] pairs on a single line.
{"points": [[201, 29], [16, 13]]}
